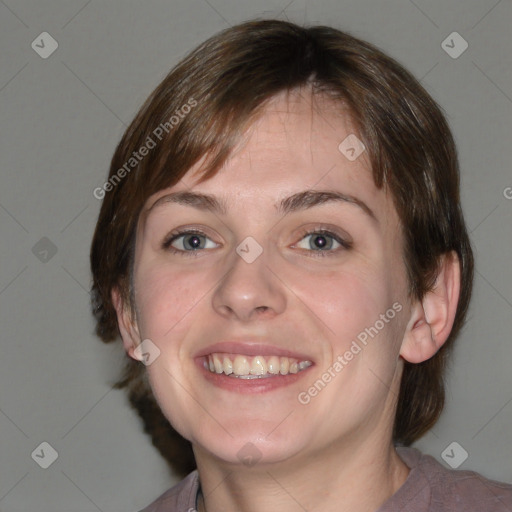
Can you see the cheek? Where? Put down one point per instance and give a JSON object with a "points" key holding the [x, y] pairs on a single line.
{"points": [[345, 301], [164, 297]]}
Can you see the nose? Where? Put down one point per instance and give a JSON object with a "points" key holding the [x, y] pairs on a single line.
{"points": [[249, 291]]}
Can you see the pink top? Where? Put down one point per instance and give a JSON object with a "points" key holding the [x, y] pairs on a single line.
{"points": [[430, 487]]}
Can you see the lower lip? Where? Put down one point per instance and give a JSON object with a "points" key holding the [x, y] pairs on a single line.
{"points": [[262, 385]]}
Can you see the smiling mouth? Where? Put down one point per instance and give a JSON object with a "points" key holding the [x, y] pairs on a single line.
{"points": [[240, 366]]}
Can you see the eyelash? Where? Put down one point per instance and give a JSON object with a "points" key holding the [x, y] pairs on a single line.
{"points": [[345, 244]]}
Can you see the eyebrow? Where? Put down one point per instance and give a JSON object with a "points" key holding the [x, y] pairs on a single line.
{"points": [[296, 202]]}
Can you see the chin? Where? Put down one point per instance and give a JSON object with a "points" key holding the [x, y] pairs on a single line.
{"points": [[251, 448]]}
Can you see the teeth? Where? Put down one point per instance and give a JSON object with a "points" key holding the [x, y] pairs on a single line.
{"points": [[241, 366], [304, 364], [246, 367], [217, 364], [259, 366], [251, 377], [273, 365], [228, 366]]}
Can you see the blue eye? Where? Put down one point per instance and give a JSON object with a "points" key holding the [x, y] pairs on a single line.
{"points": [[188, 241], [322, 241]]}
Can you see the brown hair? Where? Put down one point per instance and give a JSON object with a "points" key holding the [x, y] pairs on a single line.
{"points": [[228, 79]]}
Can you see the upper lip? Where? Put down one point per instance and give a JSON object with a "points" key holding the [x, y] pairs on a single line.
{"points": [[251, 348]]}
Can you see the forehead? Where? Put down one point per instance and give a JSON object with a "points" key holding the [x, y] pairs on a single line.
{"points": [[299, 142]]}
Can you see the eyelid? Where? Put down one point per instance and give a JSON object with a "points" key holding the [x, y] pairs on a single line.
{"points": [[344, 240], [173, 235]]}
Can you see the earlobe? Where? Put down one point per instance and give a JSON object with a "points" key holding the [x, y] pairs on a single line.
{"points": [[127, 325], [432, 319]]}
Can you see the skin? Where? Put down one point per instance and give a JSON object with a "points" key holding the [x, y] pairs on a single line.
{"points": [[334, 453]]}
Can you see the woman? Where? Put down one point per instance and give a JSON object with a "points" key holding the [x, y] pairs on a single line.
{"points": [[282, 250]]}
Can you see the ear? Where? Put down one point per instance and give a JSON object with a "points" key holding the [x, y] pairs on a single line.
{"points": [[127, 325], [432, 319]]}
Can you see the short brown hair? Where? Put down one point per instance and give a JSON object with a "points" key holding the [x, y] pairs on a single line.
{"points": [[230, 77]]}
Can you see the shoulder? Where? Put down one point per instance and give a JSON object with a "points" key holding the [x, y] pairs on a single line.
{"points": [[181, 497], [451, 490]]}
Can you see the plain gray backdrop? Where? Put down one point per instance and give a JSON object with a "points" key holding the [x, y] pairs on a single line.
{"points": [[62, 117]]}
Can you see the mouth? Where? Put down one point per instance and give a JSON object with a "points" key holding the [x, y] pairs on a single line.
{"points": [[251, 367], [239, 366]]}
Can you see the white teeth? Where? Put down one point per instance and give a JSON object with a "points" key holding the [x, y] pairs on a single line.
{"points": [[219, 367], [228, 366], [273, 365], [241, 366], [257, 367]]}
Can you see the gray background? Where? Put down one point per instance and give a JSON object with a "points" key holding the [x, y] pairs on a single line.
{"points": [[61, 119]]}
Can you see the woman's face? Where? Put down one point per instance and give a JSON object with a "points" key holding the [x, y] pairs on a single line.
{"points": [[308, 290]]}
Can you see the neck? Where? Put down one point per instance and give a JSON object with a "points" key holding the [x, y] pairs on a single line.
{"points": [[341, 480]]}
